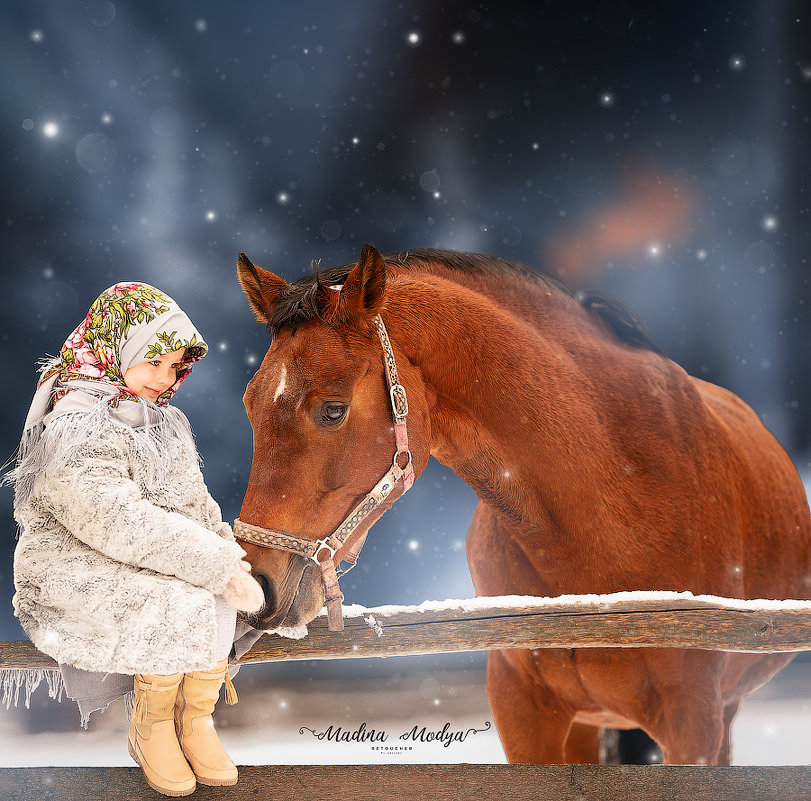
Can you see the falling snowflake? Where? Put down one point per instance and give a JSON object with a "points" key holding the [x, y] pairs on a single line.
{"points": [[737, 62]]}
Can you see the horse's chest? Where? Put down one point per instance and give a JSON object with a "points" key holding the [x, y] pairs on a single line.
{"points": [[604, 720], [583, 682]]}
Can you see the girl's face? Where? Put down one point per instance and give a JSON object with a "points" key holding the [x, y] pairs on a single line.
{"points": [[149, 380]]}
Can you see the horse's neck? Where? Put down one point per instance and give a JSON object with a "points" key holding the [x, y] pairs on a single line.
{"points": [[518, 390]]}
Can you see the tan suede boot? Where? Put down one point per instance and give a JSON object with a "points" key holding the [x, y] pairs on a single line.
{"points": [[198, 694], [152, 739]]}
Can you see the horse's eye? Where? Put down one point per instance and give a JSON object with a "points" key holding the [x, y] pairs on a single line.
{"points": [[331, 413]]}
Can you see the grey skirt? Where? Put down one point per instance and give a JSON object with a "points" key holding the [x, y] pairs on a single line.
{"points": [[94, 692]]}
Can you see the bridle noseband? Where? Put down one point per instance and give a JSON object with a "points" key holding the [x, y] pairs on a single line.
{"points": [[323, 551]]}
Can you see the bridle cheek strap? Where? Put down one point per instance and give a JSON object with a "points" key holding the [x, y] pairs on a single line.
{"points": [[323, 551]]}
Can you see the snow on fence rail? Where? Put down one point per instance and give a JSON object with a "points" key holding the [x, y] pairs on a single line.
{"points": [[619, 620]]}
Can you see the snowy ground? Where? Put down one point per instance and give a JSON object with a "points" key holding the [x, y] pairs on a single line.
{"points": [[266, 727]]}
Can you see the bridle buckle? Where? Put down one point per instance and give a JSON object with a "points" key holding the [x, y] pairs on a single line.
{"points": [[399, 402]]}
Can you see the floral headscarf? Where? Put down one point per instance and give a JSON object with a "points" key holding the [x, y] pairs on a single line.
{"points": [[82, 391], [127, 324]]}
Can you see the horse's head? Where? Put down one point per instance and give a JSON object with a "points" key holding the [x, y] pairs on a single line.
{"points": [[321, 418]]}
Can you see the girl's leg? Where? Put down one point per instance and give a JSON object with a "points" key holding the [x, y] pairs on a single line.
{"points": [[226, 623], [195, 703]]}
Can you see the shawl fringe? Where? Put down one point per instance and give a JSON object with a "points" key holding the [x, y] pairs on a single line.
{"points": [[16, 680], [156, 441]]}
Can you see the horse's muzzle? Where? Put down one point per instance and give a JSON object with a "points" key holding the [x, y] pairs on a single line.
{"points": [[293, 600]]}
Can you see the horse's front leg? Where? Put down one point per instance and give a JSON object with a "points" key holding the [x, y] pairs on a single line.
{"points": [[532, 722], [583, 744]]}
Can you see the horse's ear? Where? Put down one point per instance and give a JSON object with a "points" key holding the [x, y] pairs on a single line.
{"points": [[262, 288], [364, 290]]}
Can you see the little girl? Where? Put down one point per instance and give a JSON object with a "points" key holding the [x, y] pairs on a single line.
{"points": [[124, 564]]}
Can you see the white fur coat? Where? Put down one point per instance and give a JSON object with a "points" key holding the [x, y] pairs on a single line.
{"points": [[118, 562]]}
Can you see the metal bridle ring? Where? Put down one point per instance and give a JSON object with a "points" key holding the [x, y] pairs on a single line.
{"points": [[394, 461], [320, 545]]}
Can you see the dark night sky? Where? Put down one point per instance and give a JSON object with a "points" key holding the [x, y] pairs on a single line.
{"points": [[657, 150]]}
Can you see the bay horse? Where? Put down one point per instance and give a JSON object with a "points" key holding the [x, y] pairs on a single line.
{"points": [[600, 466]]}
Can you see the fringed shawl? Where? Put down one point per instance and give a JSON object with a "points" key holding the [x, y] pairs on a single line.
{"points": [[82, 417]]}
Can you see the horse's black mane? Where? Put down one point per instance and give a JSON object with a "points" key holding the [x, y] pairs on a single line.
{"points": [[620, 319], [299, 302]]}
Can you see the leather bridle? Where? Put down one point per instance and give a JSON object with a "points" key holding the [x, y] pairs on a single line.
{"points": [[323, 551]]}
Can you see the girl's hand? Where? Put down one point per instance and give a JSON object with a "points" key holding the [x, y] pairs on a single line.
{"points": [[243, 591]]}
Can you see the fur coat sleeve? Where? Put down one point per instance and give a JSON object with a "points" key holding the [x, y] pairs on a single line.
{"points": [[117, 565]]}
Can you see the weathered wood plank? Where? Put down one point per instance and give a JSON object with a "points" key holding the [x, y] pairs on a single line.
{"points": [[683, 623], [432, 783], [420, 633], [22, 654]]}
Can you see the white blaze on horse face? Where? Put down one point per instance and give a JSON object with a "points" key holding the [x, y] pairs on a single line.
{"points": [[282, 384]]}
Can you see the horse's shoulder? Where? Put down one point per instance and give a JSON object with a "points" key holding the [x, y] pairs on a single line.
{"points": [[740, 428]]}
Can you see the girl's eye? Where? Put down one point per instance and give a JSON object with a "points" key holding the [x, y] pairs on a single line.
{"points": [[331, 413]]}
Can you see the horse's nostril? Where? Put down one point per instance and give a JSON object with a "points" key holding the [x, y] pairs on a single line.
{"points": [[270, 601]]}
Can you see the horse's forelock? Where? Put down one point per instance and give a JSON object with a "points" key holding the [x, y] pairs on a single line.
{"points": [[309, 298]]}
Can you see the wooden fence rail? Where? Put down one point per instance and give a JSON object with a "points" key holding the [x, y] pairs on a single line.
{"points": [[657, 620], [624, 620], [430, 783]]}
